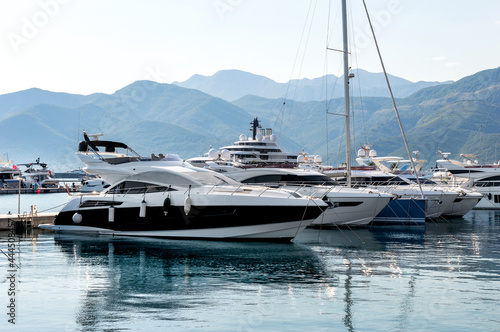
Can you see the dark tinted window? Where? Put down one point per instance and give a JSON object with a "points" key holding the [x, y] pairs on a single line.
{"points": [[275, 178], [135, 187], [291, 179], [492, 178]]}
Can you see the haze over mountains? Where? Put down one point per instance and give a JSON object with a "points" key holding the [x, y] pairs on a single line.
{"points": [[234, 84], [459, 117]]}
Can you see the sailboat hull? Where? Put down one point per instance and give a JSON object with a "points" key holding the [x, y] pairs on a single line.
{"points": [[403, 211]]}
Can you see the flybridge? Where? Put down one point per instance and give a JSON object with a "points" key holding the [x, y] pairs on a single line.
{"points": [[109, 146], [94, 144]]}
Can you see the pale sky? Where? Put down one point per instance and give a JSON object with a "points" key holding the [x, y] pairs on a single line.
{"points": [[87, 46]]}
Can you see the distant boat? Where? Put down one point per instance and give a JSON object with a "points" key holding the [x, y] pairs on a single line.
{"points": [[471, 174], [259, 150], [348, 206], [465, 201], [38, 174], [9, 174], [76, 174]]}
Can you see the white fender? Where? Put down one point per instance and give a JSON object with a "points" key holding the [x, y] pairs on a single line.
{"points": [[77, 218], [187, 205], [142, 210], [111, 214]]}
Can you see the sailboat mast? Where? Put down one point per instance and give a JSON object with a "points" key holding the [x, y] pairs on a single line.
{"points": [[346, 95]]}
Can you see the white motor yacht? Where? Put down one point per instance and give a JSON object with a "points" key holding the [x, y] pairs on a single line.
{"points": [[438, 198], [192, 203], [113, 161], [480, 177], [260, 149], [348, 206], [397, 166], [9, 174], [37, 174]]}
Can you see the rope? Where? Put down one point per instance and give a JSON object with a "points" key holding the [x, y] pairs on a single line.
{"points": [[52, 207], [281, 116], [393, 101]]}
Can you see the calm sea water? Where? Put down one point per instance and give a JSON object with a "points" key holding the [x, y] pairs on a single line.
{"points": [[444, 277], [44, 202]]}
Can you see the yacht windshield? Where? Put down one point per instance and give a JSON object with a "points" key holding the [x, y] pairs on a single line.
{"points": [[376, 181], [292, 179], [211, 178], [422, 180]]}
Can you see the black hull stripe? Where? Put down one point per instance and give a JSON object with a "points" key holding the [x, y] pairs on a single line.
{"points": [[225, 239], [463, 171], [127, 219]]}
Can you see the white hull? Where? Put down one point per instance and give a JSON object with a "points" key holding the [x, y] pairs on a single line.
{"points": [[348, 206], [491, 199], [438, 203], [438, 200], [254, 232], [462, 205], [360, 215], [469, 171]]}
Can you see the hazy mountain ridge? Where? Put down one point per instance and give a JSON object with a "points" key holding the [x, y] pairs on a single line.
{"points": [[456, 118], [235, 84], [460, 117]]}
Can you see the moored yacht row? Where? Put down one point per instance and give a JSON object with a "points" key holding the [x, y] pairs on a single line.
{"points": [[413, 204], [164, 196]]}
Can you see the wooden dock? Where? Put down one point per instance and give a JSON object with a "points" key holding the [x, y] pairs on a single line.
{"points": [[38, 190], [26, 220]]}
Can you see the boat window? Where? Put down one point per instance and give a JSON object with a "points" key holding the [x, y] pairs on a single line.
{"points": [[491, 178], [291, 179], [487, 184], [136, 187], [274, 178], [490, 181]]}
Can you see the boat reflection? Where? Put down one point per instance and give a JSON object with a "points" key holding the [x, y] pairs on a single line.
{"points": [[332, 276], [120, 276]]}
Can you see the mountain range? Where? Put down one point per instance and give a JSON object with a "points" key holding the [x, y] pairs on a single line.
{"points": [[231, 85], [457, 117]]}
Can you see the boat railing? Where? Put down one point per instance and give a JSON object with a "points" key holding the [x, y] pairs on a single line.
{"points": [[484, 184], [141, 190], [240, 189]]}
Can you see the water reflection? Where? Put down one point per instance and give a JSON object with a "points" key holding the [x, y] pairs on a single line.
{"points": [[347, 320], [163, 278], [442, 277]]}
